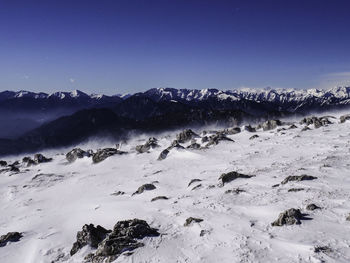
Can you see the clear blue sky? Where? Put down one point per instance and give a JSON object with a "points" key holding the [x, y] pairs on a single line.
{"points": [[132, 45]]}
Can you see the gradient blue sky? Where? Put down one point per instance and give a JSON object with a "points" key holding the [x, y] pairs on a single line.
{"points": [[132, 45]]}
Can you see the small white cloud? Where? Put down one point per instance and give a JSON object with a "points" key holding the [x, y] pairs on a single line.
{"points": [[71, 80]]}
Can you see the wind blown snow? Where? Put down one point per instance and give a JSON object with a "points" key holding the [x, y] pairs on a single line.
{"points": [[48, 203]]}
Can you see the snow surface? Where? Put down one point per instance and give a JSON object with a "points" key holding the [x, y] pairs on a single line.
{"points": [[51, 208]]}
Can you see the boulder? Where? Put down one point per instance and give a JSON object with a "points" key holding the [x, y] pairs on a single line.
{"points": [[103, 154], [344, 118], [216, 138], [271, 124], [193, 181], [298, 178], [317, 122], [3, 163], [159, 198], [232, 131], [77, 153], [150, 144], [186, 135], [90, 235], [10, 237], [145, 187], [163, 154], [254, 137], [39, 158], [228, 177], [27, 161], [312, 207], [249, 128], [289, 217], [110, 244], [191, 220]]}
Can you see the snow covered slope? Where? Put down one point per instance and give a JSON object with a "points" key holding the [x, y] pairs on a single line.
{"points": [[51, 201]]}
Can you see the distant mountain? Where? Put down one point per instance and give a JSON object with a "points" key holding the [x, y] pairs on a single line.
{"points": [[39, 120]]}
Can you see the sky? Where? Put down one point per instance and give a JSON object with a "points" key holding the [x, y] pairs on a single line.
{"points": [[127, 46]]}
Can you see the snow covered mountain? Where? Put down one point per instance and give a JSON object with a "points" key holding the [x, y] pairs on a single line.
{"points": [[278, 192]]}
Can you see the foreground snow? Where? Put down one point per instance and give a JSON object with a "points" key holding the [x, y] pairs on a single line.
{"points": [[50, 208]]}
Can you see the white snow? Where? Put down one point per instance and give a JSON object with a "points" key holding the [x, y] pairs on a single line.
{"points": [[50, 209]]}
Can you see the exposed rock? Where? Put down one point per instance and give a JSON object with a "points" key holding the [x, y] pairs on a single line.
{"points": [[296, 189], [122, 239], [305, 129], [10, 237], [348, 218], [196, 187], [317, 122], [216, 138], [234, 191], [275, 185], [289, 217], [298, 178], [281, 129], [163, 154], [193, 181], [271, 124], [205, 139], [39, 158], [150, 144], [3, 163], [186, 135], [195, 146], [323, 249], [232, 131], [344, 118], [190, 220], [159, 198], [228, 177], [249, 128], [254, 137], [77, 153], [145, 187], [110, 244], [90, 235], [118, 193], [312, 207], [28, 161], [13, 168], [175, 144], [103, 154], [293, 126]]}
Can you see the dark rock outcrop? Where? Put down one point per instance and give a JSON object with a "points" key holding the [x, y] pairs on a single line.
{"points": [[231, 131], [298, 178], [163, 154], [191, 220], [344, 118], [90, 235], [3, 163], [103, 154], [228, 177], [289, 217], [249, 128], [193, 181], [110, 244], [10, 237], [150, 144], [317, 122], [186, 135], [216, 138], [254, 137], [77, 153], [39, 158], [312, 207], [145, 187], [270, 124], [159, 198]]}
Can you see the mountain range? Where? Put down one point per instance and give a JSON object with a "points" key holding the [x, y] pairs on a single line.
{"points": [[39, 120]]}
